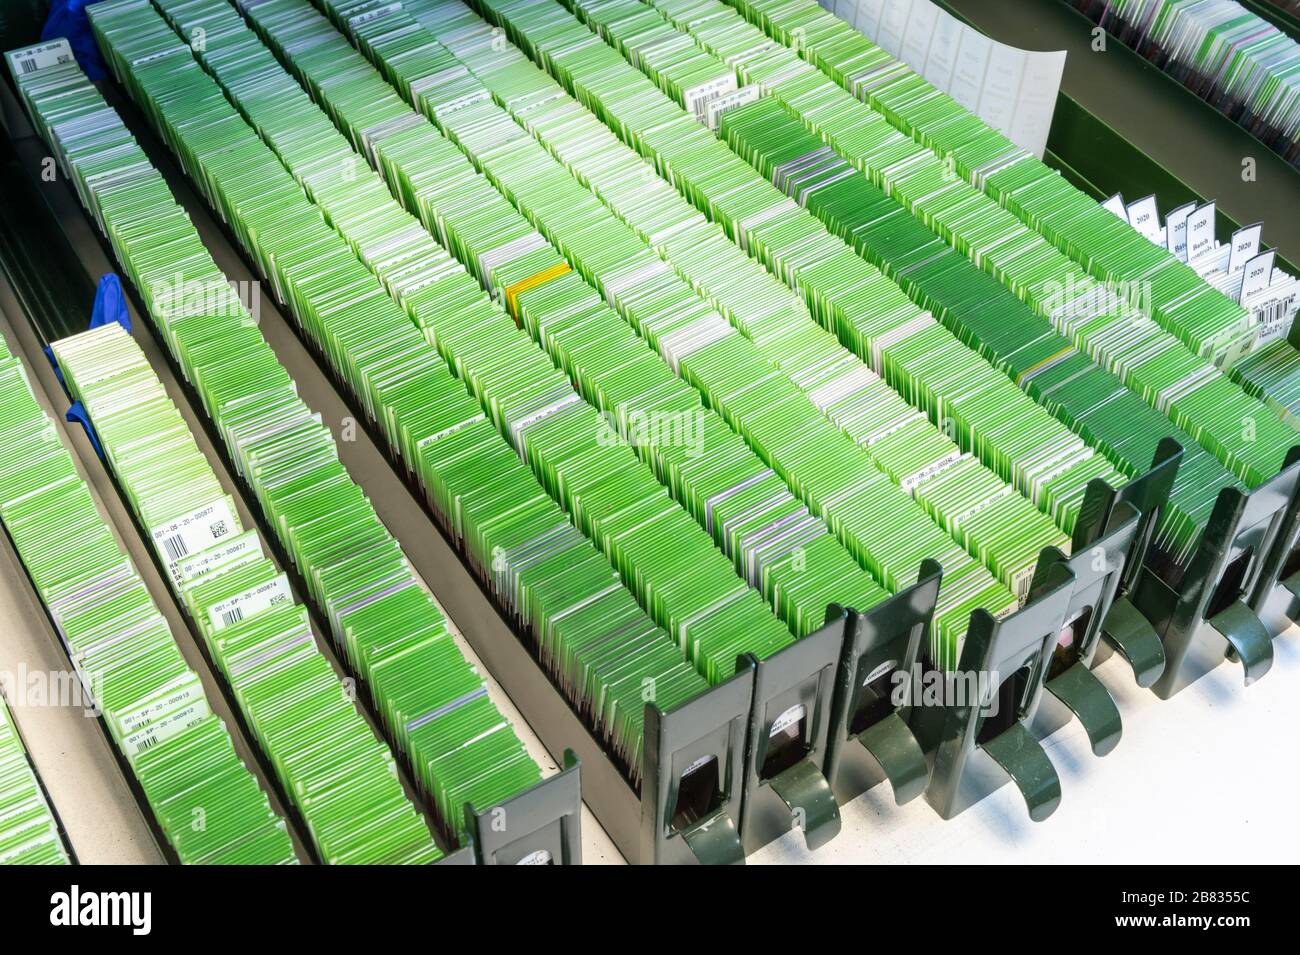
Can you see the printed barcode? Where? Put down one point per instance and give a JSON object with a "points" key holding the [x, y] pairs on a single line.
{"points": [[146, 743], [29, 66], [233, 615], [702, 104], [175, 547], [1270, 312]]}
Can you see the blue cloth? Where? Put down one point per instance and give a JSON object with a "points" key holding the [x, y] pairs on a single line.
{"points": [[110, 303], [77, 413], [68, 19], [58, 372], [109, 307]]}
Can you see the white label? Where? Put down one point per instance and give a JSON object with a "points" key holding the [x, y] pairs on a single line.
{"points": [[196, 531], [540, 857], [868, 17], [787, 719], [1176, 230], [715, 108], [30, 59], [1142, 215], [182, 691], [272, 593], [697, 98], [222, 556], [880, 670], [919, 34], [1259, 274], [697, 765], [1115, 204], [1020, 582], [1200, 231], [1245, 246], [166, 728], [1275, 311], [893, 25], [366, 16], [912, 481]]}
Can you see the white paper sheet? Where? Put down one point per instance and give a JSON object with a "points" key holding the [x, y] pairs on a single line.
{"points": [[1012, 90]]}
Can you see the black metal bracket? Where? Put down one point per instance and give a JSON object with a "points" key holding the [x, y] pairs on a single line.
{"points": [[692, 786], [1281, 571], [870, 739], [462, 856], [979, 736], [1124, 627], [540, 826], [1072, 690], [788, 729], [1214, 614]]}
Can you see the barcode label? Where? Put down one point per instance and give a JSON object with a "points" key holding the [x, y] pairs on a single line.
{"points": [[1273, 319], [272, 593], [697, 98], [30, 59], [365, 16], [175, 547], [220, 557], [181, 692], [164, 729], [912, 481], [716, 107], [194, 532]]}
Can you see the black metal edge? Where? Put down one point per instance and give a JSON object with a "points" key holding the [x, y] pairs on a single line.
{"points": [[711, 729], [797, 679], [1280, 575], [1284, 20], [1098, 570], [890, 637], [1250, 526], [462, 856], [1001, 649], [1147, 494], [540, 826]]}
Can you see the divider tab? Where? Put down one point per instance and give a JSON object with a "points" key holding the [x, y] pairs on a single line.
{"points": [[1238, 560], [1282, 569], [788, 729], [870, 737], [980, 736], [692, 786], [1124, 626], [540, 826], [1072, 689]]}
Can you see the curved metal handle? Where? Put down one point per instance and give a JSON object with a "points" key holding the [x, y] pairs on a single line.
{"points": [[715, 841], [1132, 635], [1016, 751], [1084, 694], [894, 747], [1248, 637], [808, 796]]}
